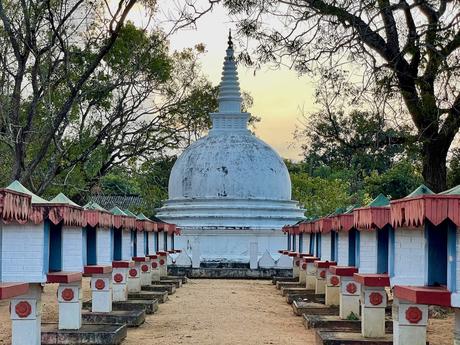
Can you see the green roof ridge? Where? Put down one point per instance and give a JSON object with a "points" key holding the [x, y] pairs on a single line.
{"points": [[92, 205], [117, 211], [452, 191], [420, 190], [380, 201], [142, 216], [129, 213], [16, 186], [61, 198]]}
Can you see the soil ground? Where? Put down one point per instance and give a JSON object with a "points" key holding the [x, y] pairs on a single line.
{"points": [[218, 312]]}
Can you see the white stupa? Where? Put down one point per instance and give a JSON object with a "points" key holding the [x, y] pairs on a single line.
{"points": [[229, 188]]}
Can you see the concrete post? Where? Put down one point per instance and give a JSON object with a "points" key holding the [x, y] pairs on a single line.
{"points": [[196, 254], [350, 292], [410, 321], [134, 279], [101, 292], [373, 303], [146, 273], [69, 299], [120, 278], [26, 317], [163, 263], [253, 255], [332, 290]]}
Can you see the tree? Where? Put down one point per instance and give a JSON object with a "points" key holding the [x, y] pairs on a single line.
{"points": [[84, 91], [409, 49]]}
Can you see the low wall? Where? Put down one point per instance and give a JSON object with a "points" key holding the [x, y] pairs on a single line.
{"points": [[229, 272]]}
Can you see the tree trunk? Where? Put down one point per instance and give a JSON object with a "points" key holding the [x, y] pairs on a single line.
{"points": [[434, 158]]}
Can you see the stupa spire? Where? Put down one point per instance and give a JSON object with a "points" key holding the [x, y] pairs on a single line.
{"points": [[229, 88]]}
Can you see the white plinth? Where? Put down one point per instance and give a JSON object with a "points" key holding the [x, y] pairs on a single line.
{"points": [[134, 279], [101, 291], [146, 273], [350, 292], [120, 284], [70, 305], [26, 317], [409, 323], [373, 312], [163, 265]]}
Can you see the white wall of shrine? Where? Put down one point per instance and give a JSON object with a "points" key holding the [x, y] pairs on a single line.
{"points": [[368, 252], [72, 249], [103, 246], [326, 246], [342, 248]]}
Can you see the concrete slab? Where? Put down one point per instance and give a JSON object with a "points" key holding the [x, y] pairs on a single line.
{"points": [[169, 288], [283, 279], [149, 306], [326, 337], [332, 322], [176, 282], [161, 296], [87, 334], [293, 290], [300, 307], [130, 318], [283, 284], [306, 297], [183, 279]]}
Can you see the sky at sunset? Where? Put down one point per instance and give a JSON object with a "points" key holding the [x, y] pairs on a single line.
{"points": [[279, 95]]}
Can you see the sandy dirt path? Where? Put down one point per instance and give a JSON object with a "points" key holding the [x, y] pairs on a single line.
{"points": [[223, 312]]}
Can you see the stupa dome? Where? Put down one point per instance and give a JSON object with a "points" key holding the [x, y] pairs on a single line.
{"points": [[230, 178]]}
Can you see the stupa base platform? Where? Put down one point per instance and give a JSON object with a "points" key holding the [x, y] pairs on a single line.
{"points": [[294, 290], [310, 296], [168, 288], [149, 306], [87, 334], [176, 282], [283, 279], [229, 270], [299, 308], [160, 296], [333, 322], [295, 284], [130, 318], [326, 337], [183, 279]]}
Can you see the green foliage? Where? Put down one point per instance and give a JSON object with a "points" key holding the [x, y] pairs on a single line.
{"points": [[453, 171], [396, 182], [318, 195], [352, 317]]}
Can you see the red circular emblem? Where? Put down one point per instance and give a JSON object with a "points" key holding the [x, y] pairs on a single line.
{"points": [[133, 272], [304, 266], [118, 278], [297, 263], [413, 314], [23, 309], [162, 262], [154, 264], [144, 268], [351, 288], [322, 274], [375, 298], [99, 284], [67, 294], [335, 280]]}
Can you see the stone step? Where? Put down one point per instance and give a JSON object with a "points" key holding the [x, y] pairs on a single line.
{"points": [[87, 334], [332, 322], [131, 318], [169, 288], [183, 279], [148, 295], [295, 284], [300, 307], [149, 306], [294, 290], [326, 337], [176, 282], [283, 279], [306, 297]]}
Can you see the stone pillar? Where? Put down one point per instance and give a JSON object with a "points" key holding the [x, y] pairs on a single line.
{"points": [[145, 272], [332, 291], [69, 299], [295, 264], [26, 317], [134, 279], [320, 280], [350, 292], [253, 255], [155, 268], [120, 278], [303, 272], [101, 292], [310, 273], [163, 263], [410, 321], [373, 302]]}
